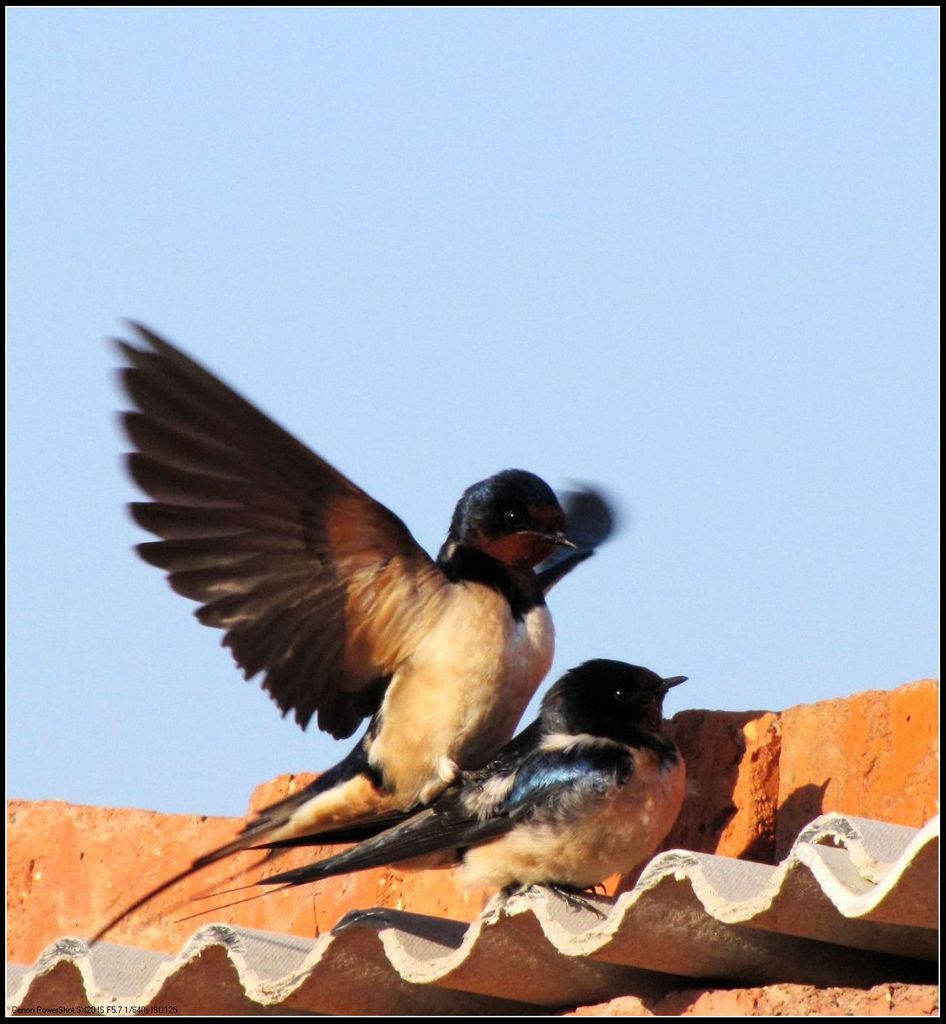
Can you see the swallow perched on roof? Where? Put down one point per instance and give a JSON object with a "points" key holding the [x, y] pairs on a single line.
{"points": [[324, 590], [589, 789]]}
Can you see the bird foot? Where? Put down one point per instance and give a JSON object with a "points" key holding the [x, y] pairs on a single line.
{"points": [[574, 899]]}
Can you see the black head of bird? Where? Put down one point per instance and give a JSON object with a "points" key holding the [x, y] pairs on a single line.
{"points": [[607, 698], [514, 517]]}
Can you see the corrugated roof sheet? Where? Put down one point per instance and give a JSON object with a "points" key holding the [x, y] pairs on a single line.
{"points": [[855, 903]]}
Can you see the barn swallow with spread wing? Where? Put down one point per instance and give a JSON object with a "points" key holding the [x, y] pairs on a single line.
{"points": [[325, 591], [589, 789]]}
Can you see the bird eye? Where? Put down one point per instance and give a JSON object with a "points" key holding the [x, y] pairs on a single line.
{"points": [[512, 517], [624, 696]]}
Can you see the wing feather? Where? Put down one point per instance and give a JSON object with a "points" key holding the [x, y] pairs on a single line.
{"points": [[315, 584]]}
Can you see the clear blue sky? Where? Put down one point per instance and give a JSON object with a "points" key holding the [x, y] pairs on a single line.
{"points": [[688, 254]]}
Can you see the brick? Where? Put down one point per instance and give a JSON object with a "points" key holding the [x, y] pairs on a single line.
{"points": [[895, 1000], [875, 755], [733, 767]]}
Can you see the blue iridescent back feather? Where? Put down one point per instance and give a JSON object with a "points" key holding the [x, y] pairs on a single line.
{"points": [[594, 768]]}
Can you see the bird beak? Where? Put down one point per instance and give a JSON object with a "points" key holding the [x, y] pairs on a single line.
{"points": [[553, 536], [673, 681]]}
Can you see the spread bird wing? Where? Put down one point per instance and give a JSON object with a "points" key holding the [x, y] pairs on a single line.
{"points": [[486, 804], [316, 585]]}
